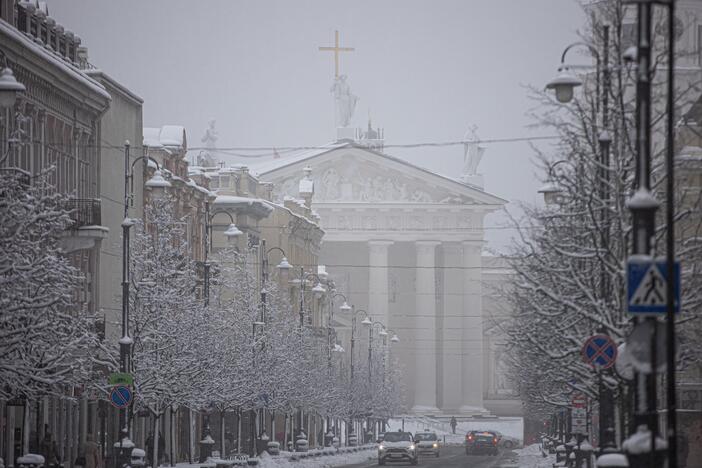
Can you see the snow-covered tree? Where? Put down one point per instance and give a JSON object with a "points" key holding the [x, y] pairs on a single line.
{"points": [[48, 342], [168, 320], [570, 259]]}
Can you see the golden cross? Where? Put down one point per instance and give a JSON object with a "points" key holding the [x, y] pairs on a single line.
{"points": [[336, 49]]}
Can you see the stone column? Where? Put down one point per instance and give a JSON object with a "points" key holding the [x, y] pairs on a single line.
{"points": [[425, 330], [451, 346], [378, 280], [472, 398]]}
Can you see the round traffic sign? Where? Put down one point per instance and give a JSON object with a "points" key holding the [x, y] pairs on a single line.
{"points": [[600, 351], [120, 396]]}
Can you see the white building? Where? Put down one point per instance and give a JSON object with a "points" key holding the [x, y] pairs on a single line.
{"points": [[406, 244]]}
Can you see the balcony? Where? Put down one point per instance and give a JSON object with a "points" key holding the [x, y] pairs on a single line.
{"points": [[86, 230], [84, 212]]}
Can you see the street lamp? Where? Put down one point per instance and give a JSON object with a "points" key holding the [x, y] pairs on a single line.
{"points": [[366, 321], [344, 309], [10, 88], [232, 232], [382, 332], [563, 85], [318, 290], [283, 267], [551, 191], [157, 184]]}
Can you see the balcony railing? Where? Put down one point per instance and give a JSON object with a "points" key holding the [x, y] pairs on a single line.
{"points": [[84, 212]]}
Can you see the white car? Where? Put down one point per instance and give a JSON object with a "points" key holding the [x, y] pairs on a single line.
{"points": [[427, 442], [397, 446]]}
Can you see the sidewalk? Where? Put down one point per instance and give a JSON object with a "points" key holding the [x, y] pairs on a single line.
{"points": [[531, 457]]}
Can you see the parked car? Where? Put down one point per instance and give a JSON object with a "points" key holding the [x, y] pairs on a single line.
{"points": [[481, 442], [397, 446], [507, 442], [427, 442]]}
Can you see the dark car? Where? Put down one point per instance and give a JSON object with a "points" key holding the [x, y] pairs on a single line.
{"points": [[481, 442]]}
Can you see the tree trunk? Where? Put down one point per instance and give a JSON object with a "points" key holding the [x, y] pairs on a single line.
{"points": [[191, 436], [273, 426], [221, 434], [238, 430], [171, 432], [154, 452]]}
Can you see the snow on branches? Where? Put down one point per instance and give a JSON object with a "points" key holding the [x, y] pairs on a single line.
{"points": [[47, 340], [570, 257]]}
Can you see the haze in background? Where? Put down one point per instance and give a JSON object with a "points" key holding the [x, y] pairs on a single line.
{"points": [[425, 71]]}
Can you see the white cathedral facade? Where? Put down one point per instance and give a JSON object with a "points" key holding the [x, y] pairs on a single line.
{"points": [[406, 245]]}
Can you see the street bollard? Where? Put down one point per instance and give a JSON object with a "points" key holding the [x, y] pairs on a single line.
{"points": [[206, 448], [570, 446], [123, 451], [584, 454], [561, 453]]}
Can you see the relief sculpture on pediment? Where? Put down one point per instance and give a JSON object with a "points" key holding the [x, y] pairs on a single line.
{"points": [[352, 181]]}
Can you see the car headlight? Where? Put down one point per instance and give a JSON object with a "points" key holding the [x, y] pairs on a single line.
{"points": [[412, 447], [436, 445], [381, 448]]}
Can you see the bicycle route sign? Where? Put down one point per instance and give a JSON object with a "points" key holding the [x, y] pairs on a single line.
{"points": [[600, 351], [121, 396], [647, 285]]}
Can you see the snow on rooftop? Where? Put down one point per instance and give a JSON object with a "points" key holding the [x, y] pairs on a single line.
{"points": [[168, 136], [273, 164], [173, 135], [55, 59]]}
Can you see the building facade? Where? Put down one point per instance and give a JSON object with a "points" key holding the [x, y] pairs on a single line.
{"points": [[404, 244], [55, 123]]}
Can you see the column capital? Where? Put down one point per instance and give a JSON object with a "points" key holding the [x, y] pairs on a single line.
{"points": [[380, 243], [428, 243]]}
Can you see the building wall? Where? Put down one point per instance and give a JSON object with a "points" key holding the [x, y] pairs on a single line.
{"points": [[122, 122]]}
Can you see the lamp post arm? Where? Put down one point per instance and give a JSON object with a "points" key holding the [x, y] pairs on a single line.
{"points": [[276, 248], [595, 54]]}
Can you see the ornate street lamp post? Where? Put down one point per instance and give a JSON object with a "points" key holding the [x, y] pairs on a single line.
{"points": [[157, 184]]}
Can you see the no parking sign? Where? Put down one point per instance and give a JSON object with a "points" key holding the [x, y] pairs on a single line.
{"points": [[600, 351]]}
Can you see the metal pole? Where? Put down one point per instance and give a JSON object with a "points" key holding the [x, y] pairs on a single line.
{"points": [[302, 288], [644, 205], [206, 265], [264, 279], [125, 341], [670, 244], [353, 337], [370, 352], [606, 403]]}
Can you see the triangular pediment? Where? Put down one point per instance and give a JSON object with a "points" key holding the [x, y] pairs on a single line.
{"points": [[353, 174]]}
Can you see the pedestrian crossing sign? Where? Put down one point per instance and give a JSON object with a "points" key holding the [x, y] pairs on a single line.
{"points": [[647, 282]]}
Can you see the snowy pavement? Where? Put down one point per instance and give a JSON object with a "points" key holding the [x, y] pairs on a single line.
{"points": [[267, 461], [532, 457]]}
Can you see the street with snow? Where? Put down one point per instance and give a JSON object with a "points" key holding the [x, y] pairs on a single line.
{"points": [[307, 233]]}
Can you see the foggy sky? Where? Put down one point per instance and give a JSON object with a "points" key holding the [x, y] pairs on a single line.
{"points": [[424, 70]]}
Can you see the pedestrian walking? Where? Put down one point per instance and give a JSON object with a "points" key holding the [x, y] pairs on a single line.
{"points": [[454, 423], [49, 451], [91, 452]]}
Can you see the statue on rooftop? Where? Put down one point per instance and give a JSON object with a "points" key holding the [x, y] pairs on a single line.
{"points": [[345, 101]]}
